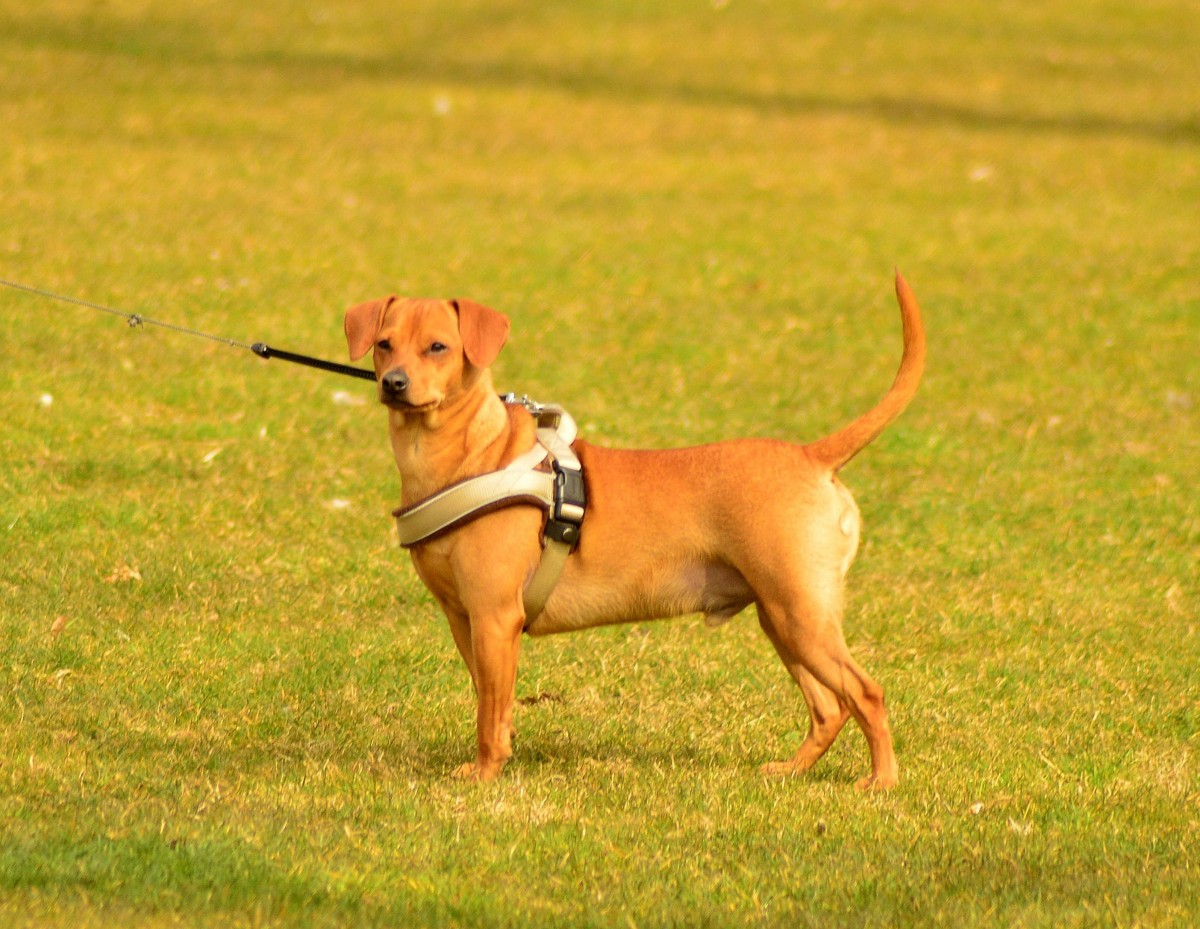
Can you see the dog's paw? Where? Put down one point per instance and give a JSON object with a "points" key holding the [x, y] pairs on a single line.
{"points": [[875, 782], [789, 768], [473, 771], [800, 762]]}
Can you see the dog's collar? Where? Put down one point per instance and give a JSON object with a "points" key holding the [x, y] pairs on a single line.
{"points": [[559, 491]]}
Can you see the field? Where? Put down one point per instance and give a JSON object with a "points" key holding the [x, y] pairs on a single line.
{"points": [[225, 698]]}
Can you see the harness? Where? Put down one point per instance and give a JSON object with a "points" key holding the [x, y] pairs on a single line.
{"points": [[558, 490]]}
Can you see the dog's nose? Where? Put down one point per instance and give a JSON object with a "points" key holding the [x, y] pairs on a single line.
{"points": [[395, 382]]}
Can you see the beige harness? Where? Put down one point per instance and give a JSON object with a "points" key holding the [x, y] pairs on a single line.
{"points": [[559, 491]]}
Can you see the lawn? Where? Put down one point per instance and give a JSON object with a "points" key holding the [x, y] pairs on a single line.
{"points": [[225, 698]]}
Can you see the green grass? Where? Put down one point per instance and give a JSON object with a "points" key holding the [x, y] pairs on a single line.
{"points": [[691, 212]]}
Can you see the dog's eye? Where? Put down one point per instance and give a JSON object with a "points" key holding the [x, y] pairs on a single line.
{"points": [[436, 348], [384, 345]]}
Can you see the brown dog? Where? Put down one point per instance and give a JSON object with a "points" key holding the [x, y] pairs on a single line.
{"points": [[709, 529]]}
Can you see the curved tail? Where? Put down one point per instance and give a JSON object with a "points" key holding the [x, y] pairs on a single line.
{"points": [[835, 450]]}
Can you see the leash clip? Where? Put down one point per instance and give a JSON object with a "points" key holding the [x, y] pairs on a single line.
{"points": [[531, 406]]}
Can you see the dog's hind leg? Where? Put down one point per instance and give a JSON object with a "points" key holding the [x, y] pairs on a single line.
{"points": [[808, 637], [827, 714]]}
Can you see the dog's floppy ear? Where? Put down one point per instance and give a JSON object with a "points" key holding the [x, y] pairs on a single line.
{"points": [[362, 323], [484, 331]]}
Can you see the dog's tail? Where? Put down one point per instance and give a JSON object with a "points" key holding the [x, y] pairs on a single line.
{"points": [[835, 450]]}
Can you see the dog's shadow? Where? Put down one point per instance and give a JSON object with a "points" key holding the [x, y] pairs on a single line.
{"points": [[554, 740]]}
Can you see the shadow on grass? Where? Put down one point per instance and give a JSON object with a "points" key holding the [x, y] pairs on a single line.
{"points": [[131, 876], [449, 54], [155, 870], [548, 749]]}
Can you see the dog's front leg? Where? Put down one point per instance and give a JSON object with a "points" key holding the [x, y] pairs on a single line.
{"points": [[460, 628], [495, 642]]}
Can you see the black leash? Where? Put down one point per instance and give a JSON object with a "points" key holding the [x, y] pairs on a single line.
{"points": [[261, 349]]}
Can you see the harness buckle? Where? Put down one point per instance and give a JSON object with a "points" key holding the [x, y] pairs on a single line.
{"points": [[570, 499]]}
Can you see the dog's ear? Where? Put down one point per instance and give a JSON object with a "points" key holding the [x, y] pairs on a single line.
{"points": [[484, 331], [362, 323]]}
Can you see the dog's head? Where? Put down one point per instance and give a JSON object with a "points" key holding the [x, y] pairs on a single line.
{"points": [[426, 351]]}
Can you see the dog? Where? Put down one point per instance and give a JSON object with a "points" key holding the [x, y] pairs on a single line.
{"points": [[709, 529]]}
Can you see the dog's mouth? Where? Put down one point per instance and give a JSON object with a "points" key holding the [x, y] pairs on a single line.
{"points": [[403, 405]]}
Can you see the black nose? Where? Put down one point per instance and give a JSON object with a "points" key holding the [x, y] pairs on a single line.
{"points": [[395, 382]]}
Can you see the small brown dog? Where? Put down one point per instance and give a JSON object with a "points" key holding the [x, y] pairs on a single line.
{"points": [[708, 530]]}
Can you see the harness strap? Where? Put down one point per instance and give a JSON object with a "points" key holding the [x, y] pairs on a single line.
{"points": [[559, 491], [565, 514], [545, 577], [460, 503]]}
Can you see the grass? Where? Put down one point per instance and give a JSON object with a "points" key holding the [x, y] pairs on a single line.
{"points": [[226, 699]]}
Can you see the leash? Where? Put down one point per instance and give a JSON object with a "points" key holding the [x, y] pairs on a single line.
{"points": [[560, 491], [261, 349]]}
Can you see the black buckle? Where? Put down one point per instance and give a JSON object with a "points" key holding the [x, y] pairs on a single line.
{"points": [[570, 501]]}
